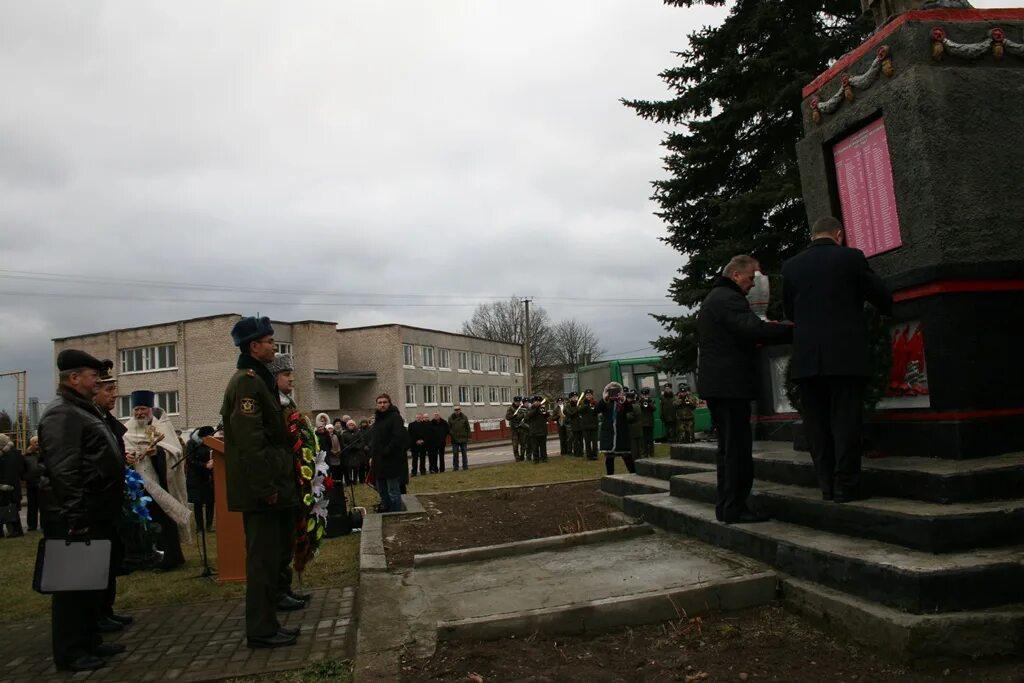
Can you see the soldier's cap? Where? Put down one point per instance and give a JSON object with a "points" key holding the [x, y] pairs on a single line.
{"points": [[144, 398], [536, 398], [282, 363], [560, 398], [645, 390], [73, 359], [107, 375], [250, 329], [573, 393], [588, 391], [684, 387], [517, 398], [668, 385]]}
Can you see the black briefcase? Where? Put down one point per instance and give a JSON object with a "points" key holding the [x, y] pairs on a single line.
{"points": [[63, 565], [8, 513]]}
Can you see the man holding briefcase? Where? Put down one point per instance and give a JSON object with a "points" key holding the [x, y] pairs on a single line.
{"points": [[86, 476]]}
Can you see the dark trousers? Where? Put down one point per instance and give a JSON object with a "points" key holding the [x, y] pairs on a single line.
{"points": [[203, 513], [609, 462], [284, 572], [575, 440], [32, 501], [648, 445], [419, 460], [833, 413], [671, 431], [106, 604], [457, 448], [563, 440], [431, 452], [734, 459], [267, 532], [167, 541], [590, 443], [437, 454], [73, 614], [540, 447]]}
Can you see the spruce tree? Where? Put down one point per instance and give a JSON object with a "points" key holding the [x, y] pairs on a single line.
{"points": [[734, 184]]}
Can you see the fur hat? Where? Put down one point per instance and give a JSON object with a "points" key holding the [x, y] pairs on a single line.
{"points": [[72, 359], [282, 363], [322, 419], [5, 443], [610, 386], [250, 329]]}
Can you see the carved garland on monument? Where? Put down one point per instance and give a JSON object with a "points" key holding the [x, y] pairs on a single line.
{"points": [[849, 84], [997, 43]]}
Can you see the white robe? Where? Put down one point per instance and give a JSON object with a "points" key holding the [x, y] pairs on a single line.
{"points": [[136, 440]]}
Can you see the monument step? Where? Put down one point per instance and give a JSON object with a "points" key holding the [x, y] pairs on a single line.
{"points": [[932, 527], [666, 468], [934, 480], [911, 580], [632, 484]]}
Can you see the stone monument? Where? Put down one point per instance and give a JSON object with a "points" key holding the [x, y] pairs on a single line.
{"points": [[914, 141]]}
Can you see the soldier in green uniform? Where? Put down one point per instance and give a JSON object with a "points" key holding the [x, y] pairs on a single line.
{"points": [[668, 415], [260, 477], [572, 424], [588, 424], [513, 418], [685, 404], [646, 422], [537, 418]]}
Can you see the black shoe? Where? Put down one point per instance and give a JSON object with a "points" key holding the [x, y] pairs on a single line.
{"points": [[83, 663], [746, 518], [289, 604], [108, 649], [122, 619], [827, 495], [276, 640], [843, 497], [108, 625], [290, 631], [301, 597]]}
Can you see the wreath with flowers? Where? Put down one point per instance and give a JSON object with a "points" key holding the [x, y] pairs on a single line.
{"points": [[311, 472]]}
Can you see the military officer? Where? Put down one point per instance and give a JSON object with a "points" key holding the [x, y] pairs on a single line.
{"points": [[588, 424], [513, 417], [260, 477], [558, 417], [685, 404], [645, 422], [537, 418], [572, 420], [668, 415]]}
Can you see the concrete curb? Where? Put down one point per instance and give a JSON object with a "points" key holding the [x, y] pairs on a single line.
{"points": [[534, 545], [516, 486], [632, 610], [371, 545]]}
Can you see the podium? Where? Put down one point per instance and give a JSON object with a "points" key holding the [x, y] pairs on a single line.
{"points": [[230, 530]]}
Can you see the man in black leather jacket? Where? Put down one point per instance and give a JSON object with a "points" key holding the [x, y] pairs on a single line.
{"points": [[86, 476]]}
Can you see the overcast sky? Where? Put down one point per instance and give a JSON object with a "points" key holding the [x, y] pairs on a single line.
{"points": [[331, 154]]}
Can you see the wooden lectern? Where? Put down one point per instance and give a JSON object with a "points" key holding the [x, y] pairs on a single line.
{"points": [[230, 532]]}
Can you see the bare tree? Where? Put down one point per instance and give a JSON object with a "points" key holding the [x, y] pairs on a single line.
{"points": [[506, 321], [576, 343]]}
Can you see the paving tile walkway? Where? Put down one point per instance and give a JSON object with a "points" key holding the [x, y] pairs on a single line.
{"points": [[201, 641]]}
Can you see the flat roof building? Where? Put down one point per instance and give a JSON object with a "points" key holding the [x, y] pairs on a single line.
{"points": [[337, 371]]}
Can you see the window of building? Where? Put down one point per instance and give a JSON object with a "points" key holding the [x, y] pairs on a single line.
{"points": [[503, 364], [463, 359], [476, 363], [429, 395], [167, 401], [493, 395], [517, 365], [463, 394], [410, 394], [446, 394], [282, 347], [407, 356], [506, 395], [478, 395], [149, 358], [444, 359], [427, 354], [492, 364], [124, 407]]}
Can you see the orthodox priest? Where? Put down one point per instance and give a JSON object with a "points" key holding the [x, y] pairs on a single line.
{"points": [[156, 454]]}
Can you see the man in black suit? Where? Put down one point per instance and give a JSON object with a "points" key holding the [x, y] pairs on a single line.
{"points": [[728, 334], [824, 290]]}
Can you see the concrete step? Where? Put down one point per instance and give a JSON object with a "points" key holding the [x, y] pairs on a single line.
{"points": [[931, 527], [907, 579], [665, 468], [632, 484], [928, 479]]}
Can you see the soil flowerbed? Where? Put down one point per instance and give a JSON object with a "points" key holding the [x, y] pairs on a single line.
{"points": [[471, 519], [766, 644]]}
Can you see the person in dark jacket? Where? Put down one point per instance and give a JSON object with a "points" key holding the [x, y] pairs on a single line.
{"points": [[537, 418], [419, 436], [728, 334], [12, 471], [612, 409], [365, 428], [460, 432], [199, 477], [260, 480], [351, 452], [824, 291], [85, 473], [31, 488], [387, 449], [438, 439], [589, 423]]}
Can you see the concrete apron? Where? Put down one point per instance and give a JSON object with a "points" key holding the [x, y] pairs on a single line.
{"points": [[571, 589]]}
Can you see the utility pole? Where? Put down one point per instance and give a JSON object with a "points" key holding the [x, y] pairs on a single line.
{"points": [[526, 349]]}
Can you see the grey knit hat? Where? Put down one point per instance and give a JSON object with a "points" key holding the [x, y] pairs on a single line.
{"points": [[282, 363]]}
